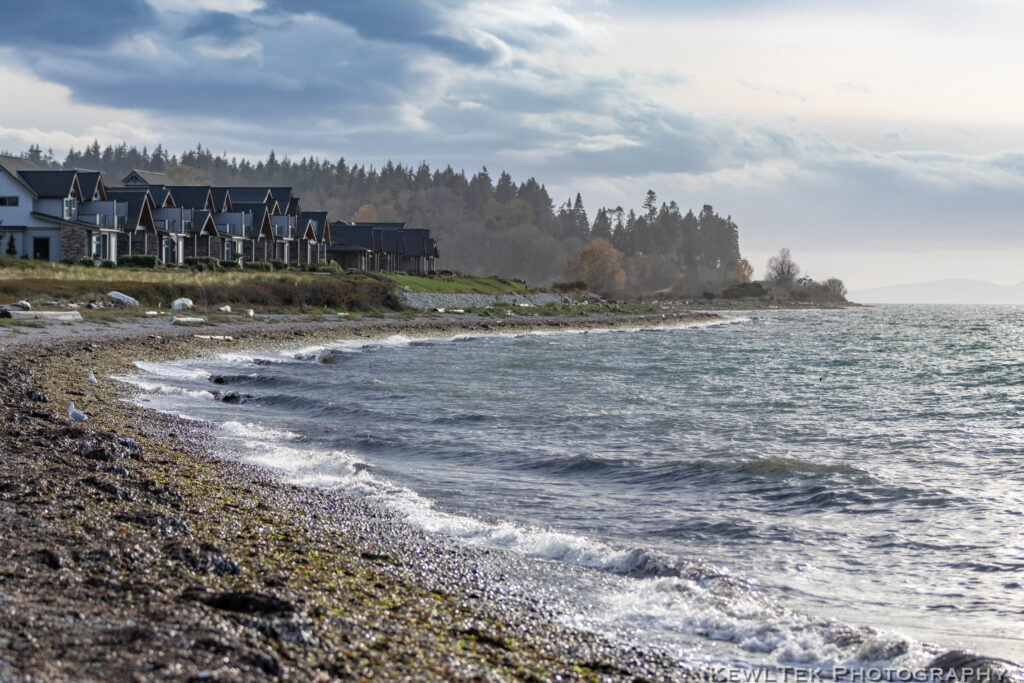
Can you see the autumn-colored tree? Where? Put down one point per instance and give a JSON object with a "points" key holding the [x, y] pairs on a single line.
{"points": [[367, 213], [600, 266], [386, 213], [184, 175], [742, 271]]}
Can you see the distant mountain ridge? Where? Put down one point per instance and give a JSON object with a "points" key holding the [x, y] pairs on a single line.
{"points": [[948, 291]]}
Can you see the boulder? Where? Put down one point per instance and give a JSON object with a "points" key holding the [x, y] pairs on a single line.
{"points": [[123, 298], [224, 309], [181, 304]]}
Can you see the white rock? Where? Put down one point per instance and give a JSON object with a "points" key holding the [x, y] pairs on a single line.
{"points": [[24, 305], [224, 309], [123, 298], [187, 321], [181, 304], [250, 313], [152, 313]]}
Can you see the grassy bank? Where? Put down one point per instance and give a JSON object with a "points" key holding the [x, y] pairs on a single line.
{"points": [[41, 282], [459, 284]]}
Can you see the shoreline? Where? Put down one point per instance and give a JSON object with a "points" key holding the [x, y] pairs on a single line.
{"points": [[138, 552]]}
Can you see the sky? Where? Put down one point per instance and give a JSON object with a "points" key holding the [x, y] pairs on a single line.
{"points": [[881, 141]]}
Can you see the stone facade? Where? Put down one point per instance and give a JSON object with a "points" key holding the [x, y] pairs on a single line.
{"points": [[74, 242]]}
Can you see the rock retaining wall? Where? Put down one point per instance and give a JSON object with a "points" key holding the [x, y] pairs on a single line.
{"points": [[426, 301]]}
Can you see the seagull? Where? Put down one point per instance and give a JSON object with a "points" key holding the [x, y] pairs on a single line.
{"points": [[92, 378], [76, 415]]}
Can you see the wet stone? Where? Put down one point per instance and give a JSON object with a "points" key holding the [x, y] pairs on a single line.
{"points": [[246, 602]]}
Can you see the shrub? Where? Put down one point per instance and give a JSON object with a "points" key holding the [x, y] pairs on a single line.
{"points": [[709, 295], [202, 263], [87, 262], [257, 265], [107, 263], [139, 261], [279, 265], [67, 261], [228, 265], [574, 286]]}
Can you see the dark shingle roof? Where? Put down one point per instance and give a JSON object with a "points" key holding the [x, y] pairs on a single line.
{"points": [[283, 195], [382, 226], [200, 219], [248, 195], [190, 196], [343, 233], [220, 196], [293, 207], [148, 177], [390, 241], [303, 226], [320, 217], [89, 182], [49, 183], [258, 211], [415, 241], [134, 200], [159, 193], [123, 194]]}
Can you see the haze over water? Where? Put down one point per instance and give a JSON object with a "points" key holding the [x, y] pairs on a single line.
{"points": [[749, 493]]}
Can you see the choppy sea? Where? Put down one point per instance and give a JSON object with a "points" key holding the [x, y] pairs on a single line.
{"points": [[784, 488]]}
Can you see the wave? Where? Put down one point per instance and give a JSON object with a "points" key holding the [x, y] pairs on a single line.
{"points": [[682, 598]]}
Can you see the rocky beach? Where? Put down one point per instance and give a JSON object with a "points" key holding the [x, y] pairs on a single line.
{"points": [[134, 551]]}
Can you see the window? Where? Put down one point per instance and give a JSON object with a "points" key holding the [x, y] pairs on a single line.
{"points": [[99, 246], [8, 201], [71, 208]]}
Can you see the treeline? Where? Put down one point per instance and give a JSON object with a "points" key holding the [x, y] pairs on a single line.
{"points": [[485, 225]]}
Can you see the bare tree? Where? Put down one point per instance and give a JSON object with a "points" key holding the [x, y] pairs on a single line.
{"points": [[836, 288], [782, 271]]}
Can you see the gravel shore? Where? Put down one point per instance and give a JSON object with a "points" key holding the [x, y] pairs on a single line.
{"points": [[133, 551]]}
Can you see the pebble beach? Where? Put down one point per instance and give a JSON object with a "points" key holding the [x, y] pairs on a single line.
{"points": [[136, 552]]}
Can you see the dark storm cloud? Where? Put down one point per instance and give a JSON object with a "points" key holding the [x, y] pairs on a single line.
{"points": [[402, 22], [219, 24], [72, 23]]}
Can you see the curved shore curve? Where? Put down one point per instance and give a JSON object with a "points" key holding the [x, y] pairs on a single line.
{"points": [[136, 552]]}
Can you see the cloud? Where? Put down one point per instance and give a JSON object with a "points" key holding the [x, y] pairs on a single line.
{"points": [[73, 24]]}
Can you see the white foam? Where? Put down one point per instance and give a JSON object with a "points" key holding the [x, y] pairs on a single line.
{"points": [[257, 431], [156, 387], [758, 631], [171, 370]]}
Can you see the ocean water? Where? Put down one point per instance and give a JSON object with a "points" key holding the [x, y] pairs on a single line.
{"points": [[786, 488]]}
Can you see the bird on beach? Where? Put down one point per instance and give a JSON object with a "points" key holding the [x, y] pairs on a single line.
{"points": [[76, 415], [92, 378]]}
